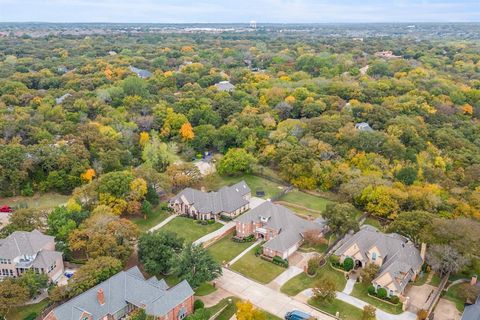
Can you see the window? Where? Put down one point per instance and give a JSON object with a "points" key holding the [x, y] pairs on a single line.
{"points": [[374, 256], [182, 313]]}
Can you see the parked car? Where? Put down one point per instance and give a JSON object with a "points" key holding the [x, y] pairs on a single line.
{"points": [[6, 208], [298, 315]]}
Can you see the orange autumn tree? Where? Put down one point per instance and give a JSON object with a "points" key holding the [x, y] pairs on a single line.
{"points": [[88, 175], [186, 131], [108, 73], [467, 109]]}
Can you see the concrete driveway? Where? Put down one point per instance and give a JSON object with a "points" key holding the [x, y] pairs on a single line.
{"points": [[263, 297], [255, 202], [446, 310], [419, 296]]}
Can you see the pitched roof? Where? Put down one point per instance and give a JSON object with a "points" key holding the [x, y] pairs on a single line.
{"points": [[400, 257], [125, 287], [224, 86], [23, 243], [227, 199], [277, 217], [141, 72], [472, 312]]}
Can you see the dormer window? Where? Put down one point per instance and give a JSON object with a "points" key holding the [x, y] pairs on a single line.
{"points": [[374, 256], [264, 219]]}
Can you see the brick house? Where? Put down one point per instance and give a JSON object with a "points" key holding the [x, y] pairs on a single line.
{"points": [[125, 292], [282, 229], [22, 251], [229, 201], [398, 260]]}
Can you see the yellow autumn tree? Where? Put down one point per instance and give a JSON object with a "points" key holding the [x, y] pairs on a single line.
{"points": [[108, 73], [246, 311], [467, 109], [186, 131], [138, 189], [88, 175], [144, 138], [290, 99]]}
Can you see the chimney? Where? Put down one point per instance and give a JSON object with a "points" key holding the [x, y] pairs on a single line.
{"points": [[474, 280], [423, 251], [101, 297]]}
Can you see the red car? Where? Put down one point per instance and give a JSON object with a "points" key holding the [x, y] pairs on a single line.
{"points": [[6, 209]]}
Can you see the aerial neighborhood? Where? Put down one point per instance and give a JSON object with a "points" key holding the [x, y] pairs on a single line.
{"points": [[247, 171]]}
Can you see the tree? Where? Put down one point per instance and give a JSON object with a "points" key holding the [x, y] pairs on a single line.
{"points": [[182, 175], [324, 290], [369, 313], [369, 273], [196, 265], [158, 251], [235, 162], [12, 293], [468, 293], [25, 220], [144, 138], [348, 264], [445, 259], [412, 224], [88, 175], [33, 282], [186, 131], [200, 314], [341, 217], [246, 311], [407, 175]]}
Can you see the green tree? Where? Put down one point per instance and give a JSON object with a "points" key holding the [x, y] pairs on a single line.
{"points": [[412, 224], [33, 282], [12, 293], [158, 251], [341, 217], [196, 265], [324, 290], [235, 162]]}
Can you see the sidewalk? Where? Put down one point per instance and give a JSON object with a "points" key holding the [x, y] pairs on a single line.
{"points": [[215, 233], [164, 222], [244, 252]]}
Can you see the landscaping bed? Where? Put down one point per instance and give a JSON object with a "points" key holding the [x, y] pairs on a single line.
{"points": [[255, 268], [189, 229], [360, 291]]}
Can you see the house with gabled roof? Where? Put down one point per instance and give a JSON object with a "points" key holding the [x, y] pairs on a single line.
{"points": [[22, 251], [398, 259], [225, 86], [229, 201], [123, 293], [282, 229]]}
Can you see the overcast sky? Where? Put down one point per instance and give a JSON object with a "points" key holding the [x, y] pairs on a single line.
{"points": [[287, 11]]}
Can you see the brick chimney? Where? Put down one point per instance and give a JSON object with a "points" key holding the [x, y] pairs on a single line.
{"points": [[423, 251], [474, 280], [101, 297]]}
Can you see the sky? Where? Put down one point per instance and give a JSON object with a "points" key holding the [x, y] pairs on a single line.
{"points": [[225, 11]]}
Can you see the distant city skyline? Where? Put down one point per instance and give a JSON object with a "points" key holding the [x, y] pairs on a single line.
{"points": [[262, 11]]}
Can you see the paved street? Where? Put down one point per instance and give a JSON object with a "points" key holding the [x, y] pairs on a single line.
{"points": [[263, 297]]}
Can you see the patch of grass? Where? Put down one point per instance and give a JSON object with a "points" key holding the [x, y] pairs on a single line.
{"points": [[189, 229], [301, 282], [320, 248], [435, 281], [231, 309], [346, 310], [18, 313], [306, 200], [360, 292], [205, 289], [256, 268], [421, 279], [373, 222], [38, 201], [156, 217], [216, 181], [453, 295], [226, 249]]}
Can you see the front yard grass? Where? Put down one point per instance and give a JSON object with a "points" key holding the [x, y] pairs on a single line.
{"points": [[216, 181], [345, 310], [306, 200], [205, 289], [225, 249], [231, 309], [157, 216], [301, 282], [38, 201], [452, 295], [19, 313], [360, 292], [256, 268], [189, 229]]}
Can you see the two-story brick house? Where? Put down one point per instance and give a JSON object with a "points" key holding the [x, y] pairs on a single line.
{"points": [[120, 295], [282, 229], [398, 260], [22, 251]]}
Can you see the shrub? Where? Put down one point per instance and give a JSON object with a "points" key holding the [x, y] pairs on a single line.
{"points": [[335, 260], [211, 221], [280, 261], [198, 304], [381, 293], [348, 264], [258, 251], [312, 266], [371, 290], [394, 299], [422, 314]]}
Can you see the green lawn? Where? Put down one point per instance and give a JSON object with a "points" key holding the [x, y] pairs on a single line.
{"points": [[306, 200], [216, 181], [157, 216], [346, 310], [38, 201], [435, 281], [19, 313], [301, 282], [205, 289], [226, 249], [189, 229], [373, 222], [360, 291], [231, 309], [452, 295], [256, 268]]}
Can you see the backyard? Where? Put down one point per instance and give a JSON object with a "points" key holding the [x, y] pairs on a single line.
{"points": [[306, 200], [301, 282], [157, 216], [256, 268], [360, 291], [215, 182], [189, 229], [20, 313], [226, 249], [37, 201], [345, 310], [452, 294]]}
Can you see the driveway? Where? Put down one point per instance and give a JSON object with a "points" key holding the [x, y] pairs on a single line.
{"points": [[419, 296], [255, 202], [446, 310], [263, 297], [288, 274]]}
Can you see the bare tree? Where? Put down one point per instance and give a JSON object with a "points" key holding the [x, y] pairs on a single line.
{"points": [[444, 259]]}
